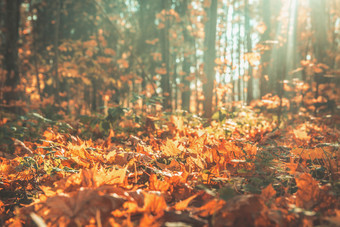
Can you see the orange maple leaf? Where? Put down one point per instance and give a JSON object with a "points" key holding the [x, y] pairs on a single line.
{"points": [[182, 205], [308, 192], [158, 185], [268, 192], [154, 204]]}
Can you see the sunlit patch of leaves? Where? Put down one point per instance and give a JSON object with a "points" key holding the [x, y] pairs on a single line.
{"points": [[236, 170]]}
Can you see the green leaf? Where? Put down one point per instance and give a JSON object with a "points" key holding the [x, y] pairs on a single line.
{"points": [[227, 193], [38, 116], [56, 169]]}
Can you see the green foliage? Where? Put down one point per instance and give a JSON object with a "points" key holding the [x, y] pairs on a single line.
{"points": [[115, 114], [152, 101], [100, 125], [30, 126], [52, 112], [227, 193], [221, 115], [44, 164]]}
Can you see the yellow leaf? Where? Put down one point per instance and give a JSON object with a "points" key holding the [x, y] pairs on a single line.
{"points": [[170, 149], [198, 144]]}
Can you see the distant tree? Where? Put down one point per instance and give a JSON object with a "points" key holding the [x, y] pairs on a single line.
{"points": [[249, 50], [165, 50], [265, 38], [319, 24], [12, 18], [56, 51], [209, 57], [147, 32], [186, 85], [182, 9], [239, 54]]}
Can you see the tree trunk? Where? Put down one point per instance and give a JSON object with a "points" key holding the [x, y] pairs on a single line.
{"points": [[239, 59], [182, 10], [174, 80], [165, 46], [292, 50], [319, 24], [232, 73], [209, 57], [12, 18], [282, 71], [186, 89], [249, 50], [265, 59], [56, 52], [142, 38], [94, 94]]}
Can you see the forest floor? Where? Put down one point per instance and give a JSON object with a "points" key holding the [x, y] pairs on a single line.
{"points": [[178, 170]]}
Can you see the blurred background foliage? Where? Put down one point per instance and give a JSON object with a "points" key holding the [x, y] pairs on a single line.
{"points": [[83, 57]]}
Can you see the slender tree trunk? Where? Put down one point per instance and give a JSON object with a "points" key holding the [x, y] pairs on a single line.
{"points": [[209, 57], [292, 53], [188, 40], [335, 35], [225, 51], [165, 46], [319, 24], [174, 81], [94, 94], [87, 97], [249, 50], [239, 78], [12, 18], [282, 71], [232, 80], [265, 59], [36, 67], [196, 79], [142, 39], [56, 51], [186, 89], [35, 51]]}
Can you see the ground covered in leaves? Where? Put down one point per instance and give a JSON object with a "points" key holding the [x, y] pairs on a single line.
{"points": [[177, 170]]}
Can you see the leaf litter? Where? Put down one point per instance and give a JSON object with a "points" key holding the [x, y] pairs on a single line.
{"points": [[194, 176]]}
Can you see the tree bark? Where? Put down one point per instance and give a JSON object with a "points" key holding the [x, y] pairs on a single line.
{"points": [[56, 52], [265, 59], [182, 10], [12, 18], [186, 90], [209, 58], [239, 59], [249, 50], [319, 24], [165, 46]]}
